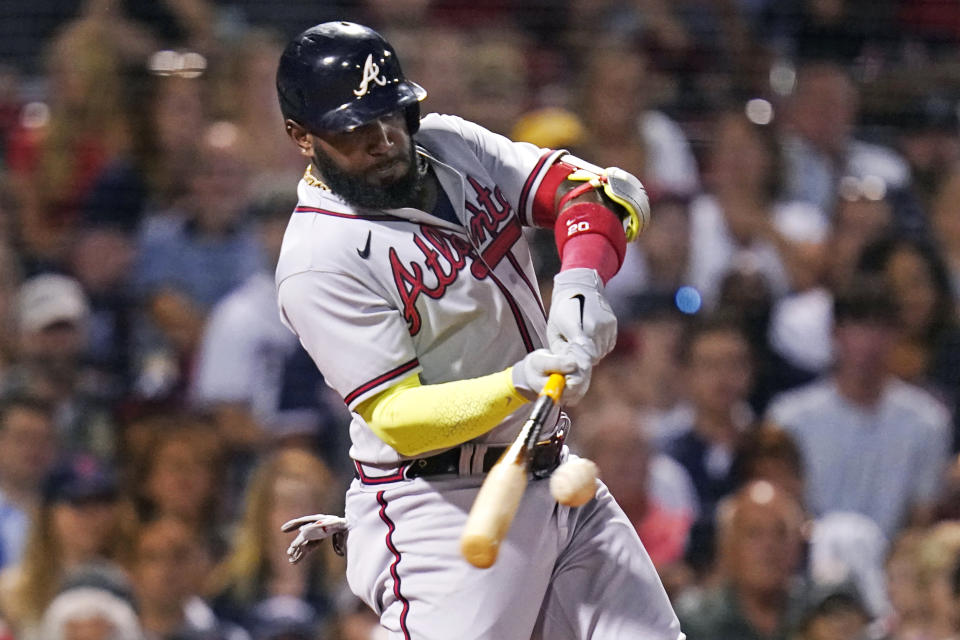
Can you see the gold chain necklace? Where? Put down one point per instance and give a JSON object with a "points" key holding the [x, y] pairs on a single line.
{"points": [[312, 180]]}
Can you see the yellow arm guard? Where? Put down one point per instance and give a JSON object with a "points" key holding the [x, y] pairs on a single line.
{"points": [[414, 418]]}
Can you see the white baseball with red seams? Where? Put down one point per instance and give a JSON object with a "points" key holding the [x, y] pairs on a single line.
{"points": [[375, 296]]}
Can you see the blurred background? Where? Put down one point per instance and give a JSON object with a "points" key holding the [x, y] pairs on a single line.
{"points": [[779, 419]]}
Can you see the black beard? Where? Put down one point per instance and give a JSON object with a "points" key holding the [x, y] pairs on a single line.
{"points": [[355, 190]]}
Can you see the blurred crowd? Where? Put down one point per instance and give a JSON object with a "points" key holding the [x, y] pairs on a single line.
{"points": [[780, 419]]}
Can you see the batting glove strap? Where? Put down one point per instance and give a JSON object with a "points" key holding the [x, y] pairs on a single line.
{"points": [[311, 529]]}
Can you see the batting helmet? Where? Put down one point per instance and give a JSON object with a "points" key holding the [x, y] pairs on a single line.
{"points": [[337, 76]]}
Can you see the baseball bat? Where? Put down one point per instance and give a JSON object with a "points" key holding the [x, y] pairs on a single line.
{"points": [[499, 497]]}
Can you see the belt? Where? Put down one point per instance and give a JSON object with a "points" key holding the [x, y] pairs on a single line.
{"points": [[448, 462], [546, 458]]}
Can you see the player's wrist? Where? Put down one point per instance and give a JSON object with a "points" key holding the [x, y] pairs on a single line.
{"points": [[589, 235], [513, 384], [578, 277], [593, 252]]}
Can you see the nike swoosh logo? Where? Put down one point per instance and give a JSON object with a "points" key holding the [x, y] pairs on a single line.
{"points": [[365, 253], [579, 297]]}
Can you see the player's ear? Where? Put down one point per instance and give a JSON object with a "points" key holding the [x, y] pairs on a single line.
{"points": [[300, 136]]}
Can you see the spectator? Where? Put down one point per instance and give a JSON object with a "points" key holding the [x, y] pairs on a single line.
{"points": [[909, 608], [820, 145], [287, 484], [495, 75], [801, 323], [928, 140], [850, 548], [948, 506], [93, 604], [625, 129], [939, 555], [448, 86], [759, 542], [745, 294], [611, 101], [176, 472], [769, 453], [946, 226], [190, 258], [205, 249], [246, 95], [928, 345], [167, 113], [28, 447], [900, 433], [53, 315], [55, 156], [843, 546], [80, 521], [251, 373], [169, 565], [716, 358], [655, 329], [615, 440], [955, 595], [744, 219], [834, 612], [101, 260]]}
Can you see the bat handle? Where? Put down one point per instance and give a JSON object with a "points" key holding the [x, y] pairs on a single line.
{"points": [[553, 388]]}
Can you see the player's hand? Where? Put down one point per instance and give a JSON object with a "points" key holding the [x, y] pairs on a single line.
{"points": [[578, 381], [531, 373], [579, 314], [311, 530]]}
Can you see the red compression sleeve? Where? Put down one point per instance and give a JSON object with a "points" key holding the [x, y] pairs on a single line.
{"points": [[544, 209], [590, 235]]}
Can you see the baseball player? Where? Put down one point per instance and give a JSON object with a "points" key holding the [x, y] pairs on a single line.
{"points": [[406, 276]]}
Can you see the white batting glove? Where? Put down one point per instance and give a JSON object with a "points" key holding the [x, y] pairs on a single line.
{"points": [[577, 382], [531, 373], [579, 314], [312, 530]]}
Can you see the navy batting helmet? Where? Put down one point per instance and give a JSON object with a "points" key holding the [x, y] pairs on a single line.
{"points": [[337, 76]]}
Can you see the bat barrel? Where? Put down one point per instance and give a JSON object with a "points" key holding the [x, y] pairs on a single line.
{"points": [[493, 510]]}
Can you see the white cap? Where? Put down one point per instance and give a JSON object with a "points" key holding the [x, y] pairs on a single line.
{"points": [[89, 603], [49, 298]]}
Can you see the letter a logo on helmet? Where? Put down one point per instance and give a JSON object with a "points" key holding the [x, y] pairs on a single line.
{"points": [[371, 71], [337, 76]]}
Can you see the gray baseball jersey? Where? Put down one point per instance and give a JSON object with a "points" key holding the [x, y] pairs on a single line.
{"points": [[376, 296]]}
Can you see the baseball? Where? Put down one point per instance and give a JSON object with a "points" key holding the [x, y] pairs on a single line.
{"points": [[574, 482]]}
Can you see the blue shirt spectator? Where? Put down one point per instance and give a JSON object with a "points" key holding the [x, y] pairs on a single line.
{"points": [[174, 253], [871, 443]]}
